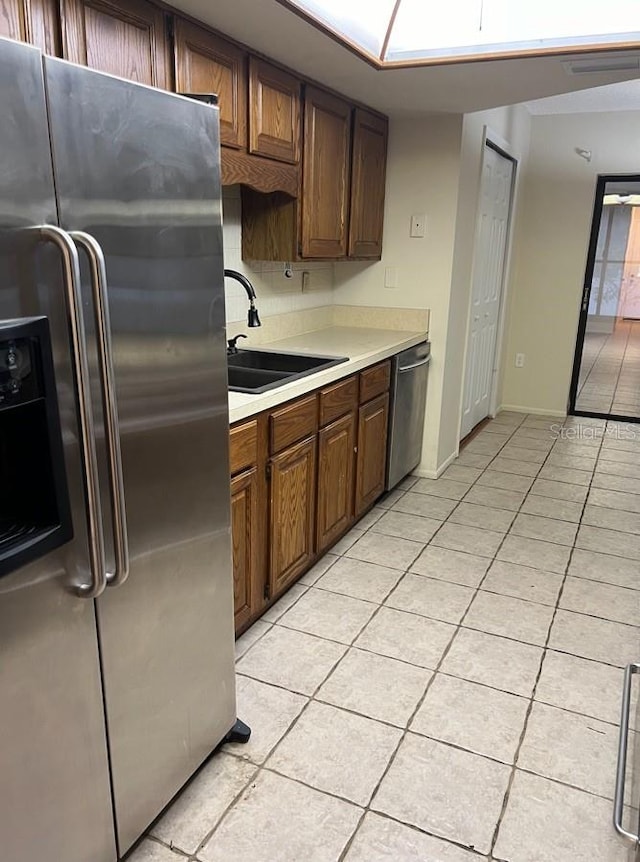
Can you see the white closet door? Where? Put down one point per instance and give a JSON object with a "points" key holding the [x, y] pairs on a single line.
{"points": [[488, 275]]}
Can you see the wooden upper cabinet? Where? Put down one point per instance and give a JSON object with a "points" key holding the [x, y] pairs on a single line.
{"points": [[125, 39], [205, 63], [274, 112], [34, 21], [326, 170], [367, 185], [14, 20]]}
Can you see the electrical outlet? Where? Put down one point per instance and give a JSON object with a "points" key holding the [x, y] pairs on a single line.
{"points": [[391, 277], [306, 280], [519, 360]]}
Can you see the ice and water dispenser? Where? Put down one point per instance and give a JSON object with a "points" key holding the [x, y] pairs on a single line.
{"points": [[34, 505]]}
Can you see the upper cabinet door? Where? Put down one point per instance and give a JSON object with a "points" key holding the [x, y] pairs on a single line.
{"points": [[274, 112], [326, 170], [207, 64], [33, 21], [367, 185], [125, 40]]}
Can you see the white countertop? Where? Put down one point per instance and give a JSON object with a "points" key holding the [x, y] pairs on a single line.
{"points": [[362, 346]]}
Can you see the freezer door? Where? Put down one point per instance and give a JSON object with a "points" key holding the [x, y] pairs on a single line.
{"points": [[54, 780], [138, 169]]}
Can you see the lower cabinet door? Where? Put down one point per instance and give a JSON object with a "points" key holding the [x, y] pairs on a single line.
{"points": [[244, 529], [292, 512], [372, 452], [335, 479]]}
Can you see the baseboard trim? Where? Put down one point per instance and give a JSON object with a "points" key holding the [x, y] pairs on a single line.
{"points": [[435, 474], [536, 411]]}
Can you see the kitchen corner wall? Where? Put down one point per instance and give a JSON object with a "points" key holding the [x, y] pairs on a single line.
{"points": [[434, 167], [422, 177], [550, 248], [277, 295]]}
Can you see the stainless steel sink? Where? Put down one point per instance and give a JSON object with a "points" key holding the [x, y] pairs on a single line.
{"points": [[256, 371]]}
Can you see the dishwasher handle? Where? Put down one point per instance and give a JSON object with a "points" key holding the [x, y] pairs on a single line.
{"points": [[403, 368]]}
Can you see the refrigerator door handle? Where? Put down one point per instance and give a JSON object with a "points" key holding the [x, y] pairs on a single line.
{"points": [[73, 302], [618, 803], [98, 271]]}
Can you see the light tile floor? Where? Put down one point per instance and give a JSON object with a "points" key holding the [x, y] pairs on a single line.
{"points": [[445, 685], [609, 380]]}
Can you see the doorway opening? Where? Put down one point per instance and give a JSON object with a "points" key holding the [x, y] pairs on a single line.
{"points": [[489, 269], [606, 369]]}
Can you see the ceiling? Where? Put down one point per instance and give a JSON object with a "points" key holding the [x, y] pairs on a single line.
{"points": [[270, 28], [614, 97]]}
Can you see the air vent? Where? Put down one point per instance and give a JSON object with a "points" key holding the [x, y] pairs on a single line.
{"points": [[602, 64]]}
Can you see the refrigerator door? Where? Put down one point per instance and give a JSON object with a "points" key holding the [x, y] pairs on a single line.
{"points": [[54, 779], [138, 169]]}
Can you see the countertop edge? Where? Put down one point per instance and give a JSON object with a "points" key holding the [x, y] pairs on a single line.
{"points": [[256, 404]]}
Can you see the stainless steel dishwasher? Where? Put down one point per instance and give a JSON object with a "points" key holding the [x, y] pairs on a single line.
{"points": [[409, 371]]}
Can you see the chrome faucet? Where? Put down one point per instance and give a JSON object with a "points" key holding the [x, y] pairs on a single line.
{"points": [[252, 317]]}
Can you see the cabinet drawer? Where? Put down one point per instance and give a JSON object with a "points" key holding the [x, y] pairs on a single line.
{"points": [[338, 399], [293, 423], [374, 380], [243, 446]]}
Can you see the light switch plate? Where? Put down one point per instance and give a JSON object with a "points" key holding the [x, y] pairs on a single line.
{"points": [[418, 225]]}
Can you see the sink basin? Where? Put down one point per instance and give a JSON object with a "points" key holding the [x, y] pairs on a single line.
{"points": [[254, 379], [256, 371]]}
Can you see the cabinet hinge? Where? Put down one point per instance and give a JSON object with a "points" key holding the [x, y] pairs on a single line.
{"points": [[267, 471], [267, 591]]}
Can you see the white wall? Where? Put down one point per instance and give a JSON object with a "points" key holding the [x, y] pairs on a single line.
{"points": [[551, 245], [509, 127]]}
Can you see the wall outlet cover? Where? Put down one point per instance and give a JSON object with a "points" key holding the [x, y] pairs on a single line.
{"points": [[418, 225], [391, 277]]}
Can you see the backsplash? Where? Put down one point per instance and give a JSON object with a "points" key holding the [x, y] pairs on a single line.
{"points": [[276, 294]]}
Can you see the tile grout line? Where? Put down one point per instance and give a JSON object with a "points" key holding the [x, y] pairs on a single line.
{"points": [[351, 645], [406, 730], [545, 648], [310, 699]]}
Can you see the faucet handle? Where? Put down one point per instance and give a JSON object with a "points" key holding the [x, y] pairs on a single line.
{"points": [[231, 343]]}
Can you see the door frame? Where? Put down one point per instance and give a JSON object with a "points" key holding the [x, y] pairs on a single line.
{"points": [[596, 219], [493, 141]]}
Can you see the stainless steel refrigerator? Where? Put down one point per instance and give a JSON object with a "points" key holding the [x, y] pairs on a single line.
{"points": [[116, 645]]}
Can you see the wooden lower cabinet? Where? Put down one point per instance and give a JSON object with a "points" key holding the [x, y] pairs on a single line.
{"points": [[373, 420], [245, 532], [292, 496], [336, 445], [296, 488]]}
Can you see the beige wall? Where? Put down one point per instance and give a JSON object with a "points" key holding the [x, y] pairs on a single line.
{"points": [[550, 248], [422, 177]]}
